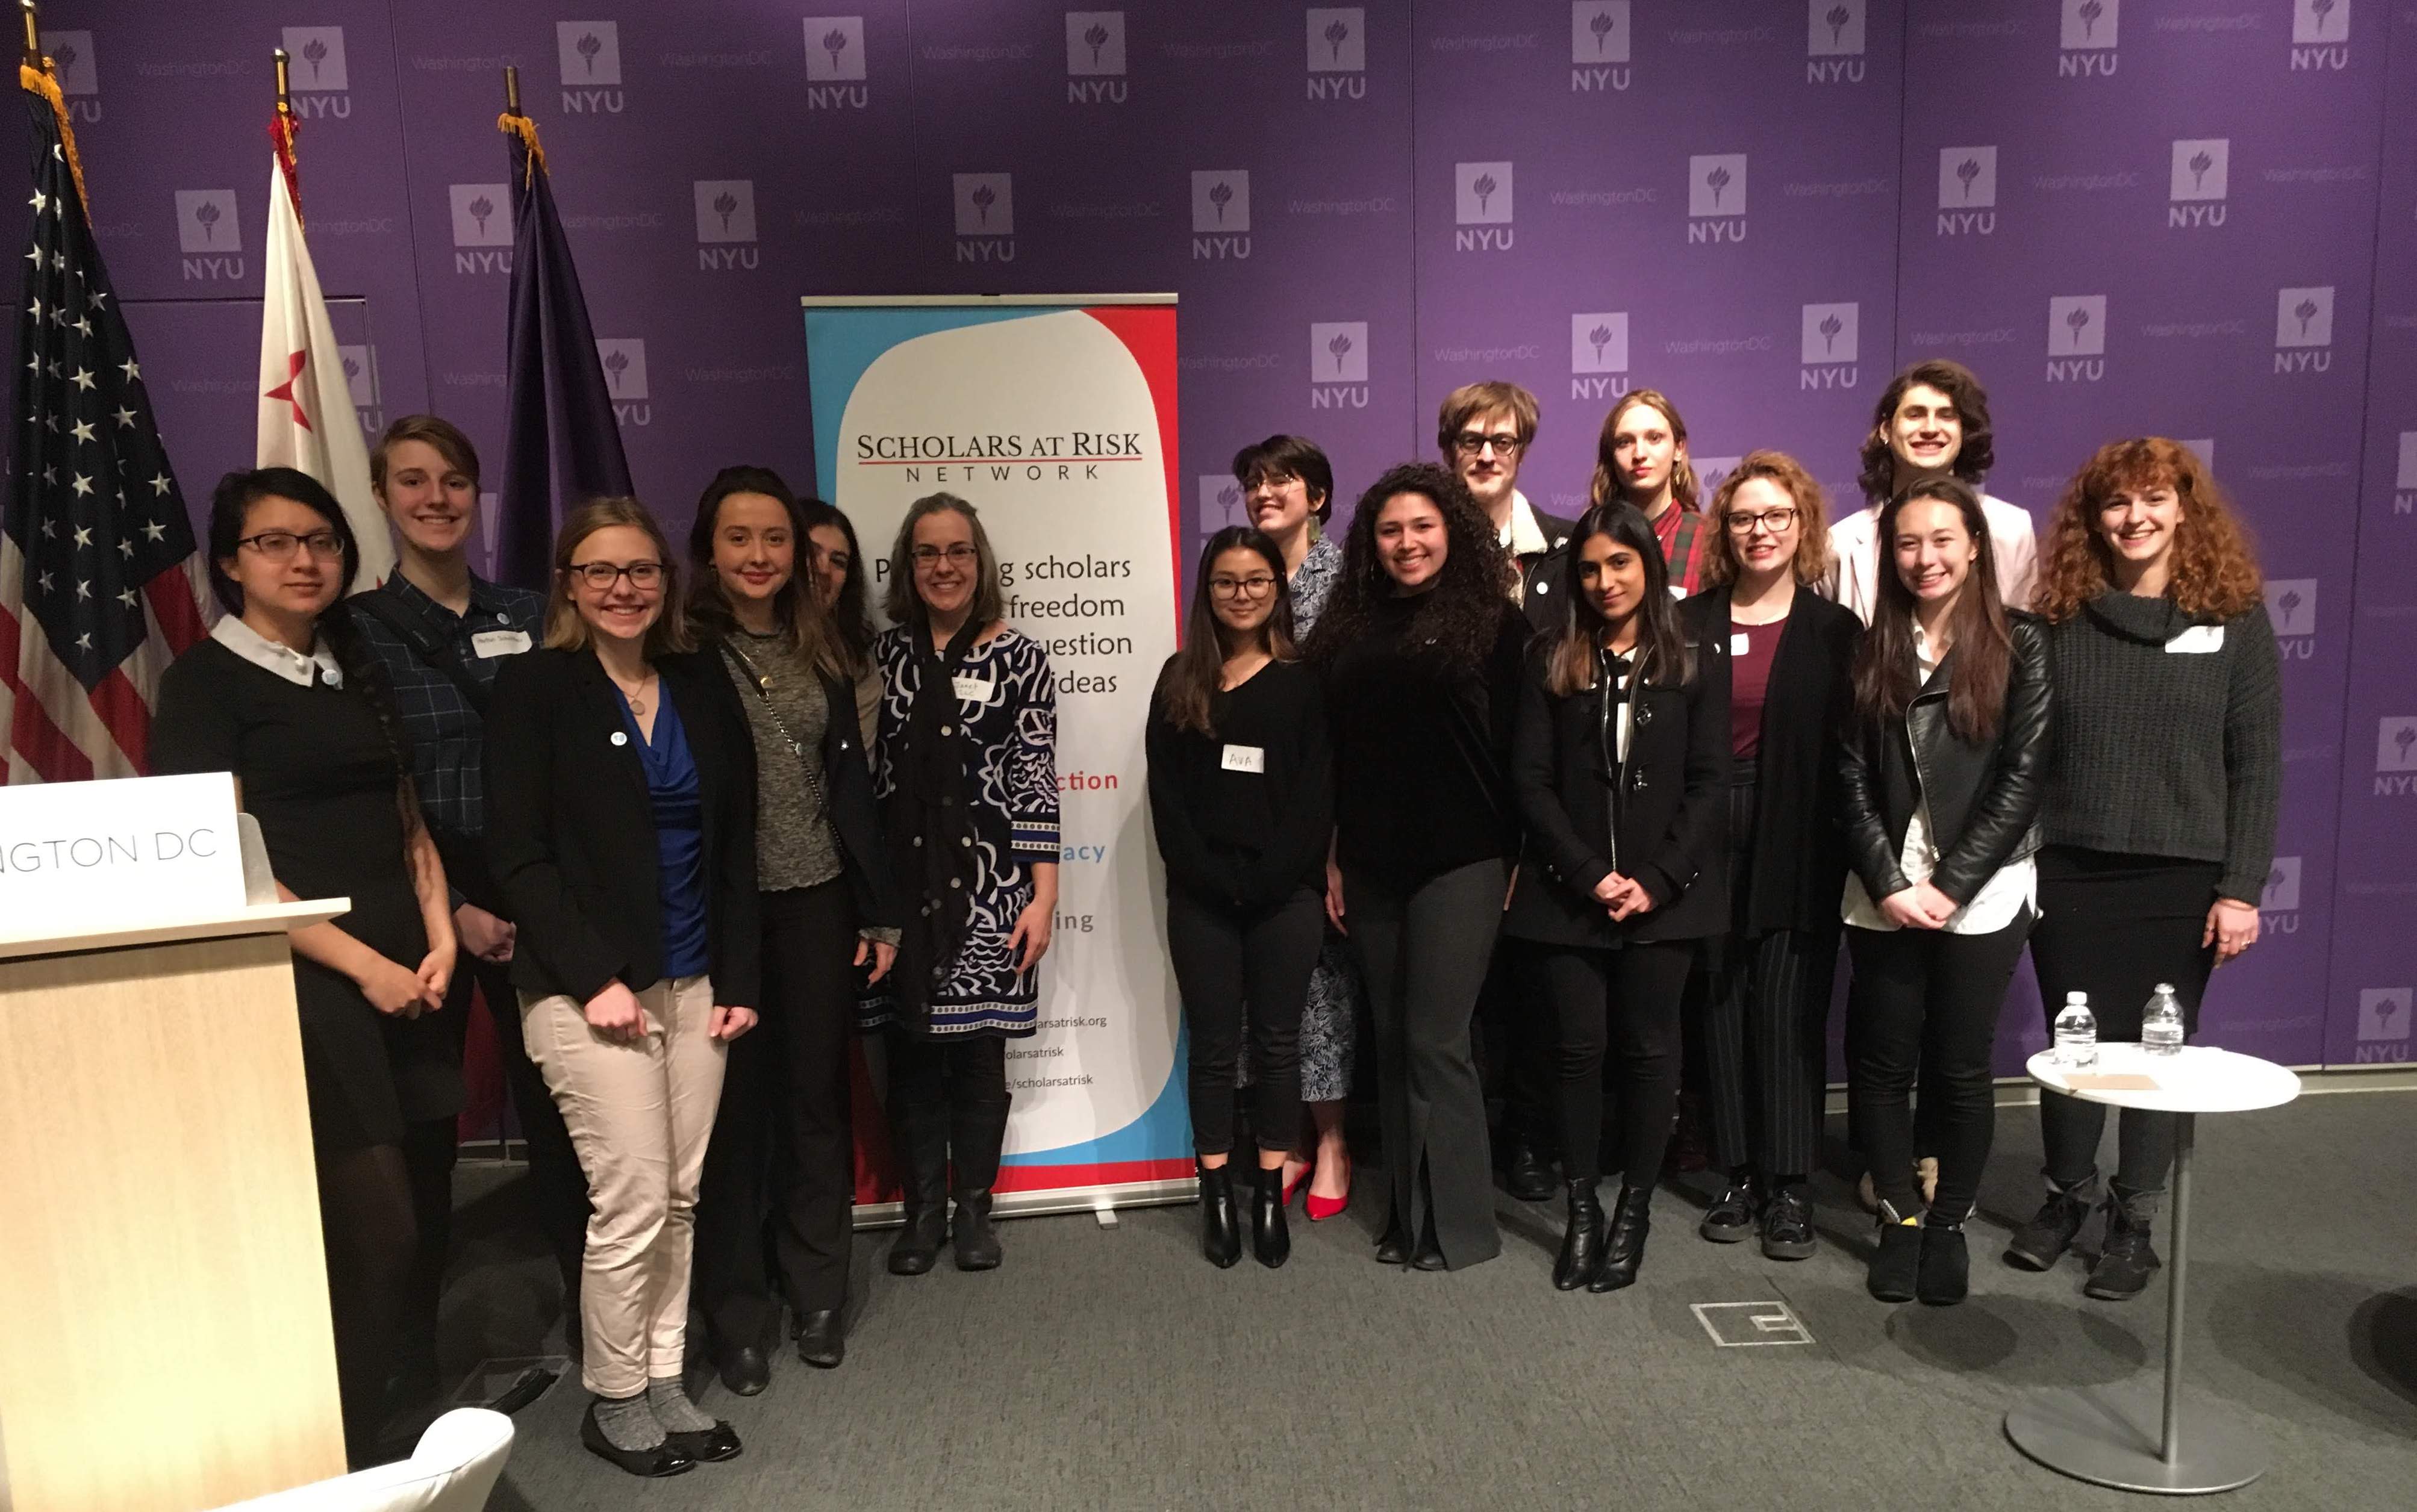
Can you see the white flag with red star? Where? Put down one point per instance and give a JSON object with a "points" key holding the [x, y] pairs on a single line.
{"points": [[306, 404]]}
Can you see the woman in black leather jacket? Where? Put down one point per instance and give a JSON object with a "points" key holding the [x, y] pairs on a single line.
{"points": [[1942, 772], [1619, 762]]}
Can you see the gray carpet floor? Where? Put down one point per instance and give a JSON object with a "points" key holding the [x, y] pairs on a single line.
{"points": [[1115, 1369]]}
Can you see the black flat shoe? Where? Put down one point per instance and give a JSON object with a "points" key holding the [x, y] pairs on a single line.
{"points": [[1394, 1245], [1896, 1263], [1526, 1175], [821, 1339], [665, 1458], [744, 1369], [706, 1446], [1430, 1252]]}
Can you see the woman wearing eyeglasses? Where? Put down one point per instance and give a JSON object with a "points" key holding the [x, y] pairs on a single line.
{"points": [[967, 771], [288, 698], [621, 826], [1242, 802], [1778, 658]]}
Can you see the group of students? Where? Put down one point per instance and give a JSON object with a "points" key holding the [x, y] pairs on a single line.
{"points": [[687, 839], [1654, 764]]}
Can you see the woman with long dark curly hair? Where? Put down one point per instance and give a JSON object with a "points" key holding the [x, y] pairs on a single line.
{"points": [[2165, 665], [1420, 651]]}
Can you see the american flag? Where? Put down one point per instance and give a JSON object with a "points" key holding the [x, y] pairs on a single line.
{"points": [[100, 584]]}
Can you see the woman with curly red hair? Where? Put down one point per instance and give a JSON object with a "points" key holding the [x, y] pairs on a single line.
{"points": [[2165, 667]]}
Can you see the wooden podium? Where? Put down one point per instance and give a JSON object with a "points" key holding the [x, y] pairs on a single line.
{"points": [[166, 1345]]}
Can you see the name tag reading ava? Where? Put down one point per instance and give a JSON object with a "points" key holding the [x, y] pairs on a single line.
{"points": [[2199, 639], [1246, 759], [972, 689], [500, 642]]}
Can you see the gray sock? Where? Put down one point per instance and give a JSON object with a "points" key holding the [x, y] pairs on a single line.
{"points": [[629, 1424], [673, 1409]]}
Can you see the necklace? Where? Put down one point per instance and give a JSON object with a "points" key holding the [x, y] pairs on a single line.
{"points": [[636, 696]]}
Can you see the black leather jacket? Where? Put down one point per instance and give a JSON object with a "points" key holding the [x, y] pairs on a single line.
{"points": [[1984, 797]]}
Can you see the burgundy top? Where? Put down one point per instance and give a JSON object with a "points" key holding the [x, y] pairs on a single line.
{"points": [[1751, 649]]}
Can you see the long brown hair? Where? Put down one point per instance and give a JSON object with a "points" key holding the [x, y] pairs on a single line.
{"points": [[1192, 675], [797, 608], [1684, 488], [1886, 677], [1661, 647], [564, 630], [2215, 569], [1464, 609]]}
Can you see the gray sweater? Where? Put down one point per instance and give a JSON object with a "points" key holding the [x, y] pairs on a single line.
{"points": [[2161, 750]]}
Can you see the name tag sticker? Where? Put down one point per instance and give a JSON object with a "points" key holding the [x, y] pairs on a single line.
{"points": [[2199, 639], [1677, 590], [500, 642], [1246, 759], [1739, 643], [972, 689]]}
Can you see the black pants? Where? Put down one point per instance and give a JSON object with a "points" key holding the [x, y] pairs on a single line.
{"points": [[1514, 1046], [784, 1150], [1224, 960], [557, 1186], [1424, 954], [950, 1095], [2114, 927], [1926, 1000], [1623, 1004]]}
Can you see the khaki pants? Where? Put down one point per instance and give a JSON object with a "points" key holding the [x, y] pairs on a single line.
{"points": [[639, 1115]]}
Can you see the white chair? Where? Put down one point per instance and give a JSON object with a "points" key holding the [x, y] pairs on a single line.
{"points": [[452, 1470]]}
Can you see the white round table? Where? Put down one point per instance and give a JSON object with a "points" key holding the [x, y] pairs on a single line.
{"points": [[2135, 1435]]}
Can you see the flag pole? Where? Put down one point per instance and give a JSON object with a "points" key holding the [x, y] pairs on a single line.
{"points": [[32, 35], [285, 132], [512, 86], [284, 93]]}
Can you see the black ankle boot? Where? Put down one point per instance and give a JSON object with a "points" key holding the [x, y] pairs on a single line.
{"points": [[1271, 1237], [1943, 1271], [1581, 1242], [1895, 1265], [2126, 1259], [2037, 1245], [919, 1138], [1623, 1248], [1221, 1230]]}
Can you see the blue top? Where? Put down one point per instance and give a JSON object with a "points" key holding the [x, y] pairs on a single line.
{"points": [[680, 835]]}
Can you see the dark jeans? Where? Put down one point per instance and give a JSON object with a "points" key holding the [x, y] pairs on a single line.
{"points": [[956, 1083], [2114, 927], [784, 1150], [1624, 1001], [1514, 1046], [1926, 1000], [1224, 961]]}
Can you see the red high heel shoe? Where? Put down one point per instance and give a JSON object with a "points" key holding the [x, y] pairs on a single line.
{"points": [[1322, 1208], [1298, 1182]]}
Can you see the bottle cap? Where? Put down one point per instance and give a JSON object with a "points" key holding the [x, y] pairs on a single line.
{"points": [[2165, 986], [2077, 997]]}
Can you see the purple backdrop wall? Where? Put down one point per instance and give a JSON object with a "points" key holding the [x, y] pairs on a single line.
{"points": [[2196, 218]]}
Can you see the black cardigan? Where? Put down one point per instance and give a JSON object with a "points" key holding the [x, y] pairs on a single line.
{"points": [[1246, 840], [1798, 866], [570, 832], [1659, 816]]}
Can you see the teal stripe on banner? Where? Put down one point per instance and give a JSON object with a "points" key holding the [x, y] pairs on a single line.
{"points": [[844, 340], [1163, 1132]]}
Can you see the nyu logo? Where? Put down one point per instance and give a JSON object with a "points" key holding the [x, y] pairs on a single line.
{"points": [[2292, 606], [2278, 906], [2404, 498], [1828, 346], [1338, 53], [1598, 354], [1834, 41], [2395, 756], [361, 377], [482, 228], [1716, 198], [590, 55], [1338, 365], [624, 359], [1221, 503], [985, 217], [2303, 329], [2319, 34], [1709, 471], [207, 226], [2077, 338], [1481, 203], [1220, 215], [725, 224], [1095, 57], [1968, 191], [2383, 1024], [316, 72], [1600, 40], [2201, 169], [835, 64], [2088, 38], [79, 76]]}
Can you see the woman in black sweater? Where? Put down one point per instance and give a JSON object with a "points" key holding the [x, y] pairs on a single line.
{"points": [[1420, 648], [1620, 765], [1241, 795], [2165, 665]]}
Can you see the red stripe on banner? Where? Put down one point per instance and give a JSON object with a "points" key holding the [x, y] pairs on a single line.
{"points": [[1109, 1173], [171, 596], [129, 718], [1148, 332]]}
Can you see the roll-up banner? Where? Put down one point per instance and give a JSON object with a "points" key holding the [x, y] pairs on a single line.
{"points": [[1054, 417]]}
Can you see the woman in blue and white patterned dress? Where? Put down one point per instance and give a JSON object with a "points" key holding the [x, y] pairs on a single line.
{"points": [[1288, 488], [965, 768]]}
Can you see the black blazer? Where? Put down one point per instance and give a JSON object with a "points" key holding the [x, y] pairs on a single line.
{"points": [[1798, 862], [1984, 797], [570, 832], [1660, 816], [1543, 593]]}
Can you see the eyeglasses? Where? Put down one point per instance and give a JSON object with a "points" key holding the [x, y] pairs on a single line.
{"points": [[1257, 585], [1471, 443], [956, 554], [599, 576], [1774, 521], [280, 545]]}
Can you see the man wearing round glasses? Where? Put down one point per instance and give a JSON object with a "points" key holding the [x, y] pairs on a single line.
{"points": [[1485, 431]]}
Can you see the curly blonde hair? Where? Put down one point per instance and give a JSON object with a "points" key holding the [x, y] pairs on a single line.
{"points": [[1811, 563], [2214, 568]]}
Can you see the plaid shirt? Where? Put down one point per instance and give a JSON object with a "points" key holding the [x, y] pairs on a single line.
{"points": [[447, 734], [1682, 534]]}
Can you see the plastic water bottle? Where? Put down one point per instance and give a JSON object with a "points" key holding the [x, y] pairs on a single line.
{"points": [[2161, 1021], [2076, 1033]]}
